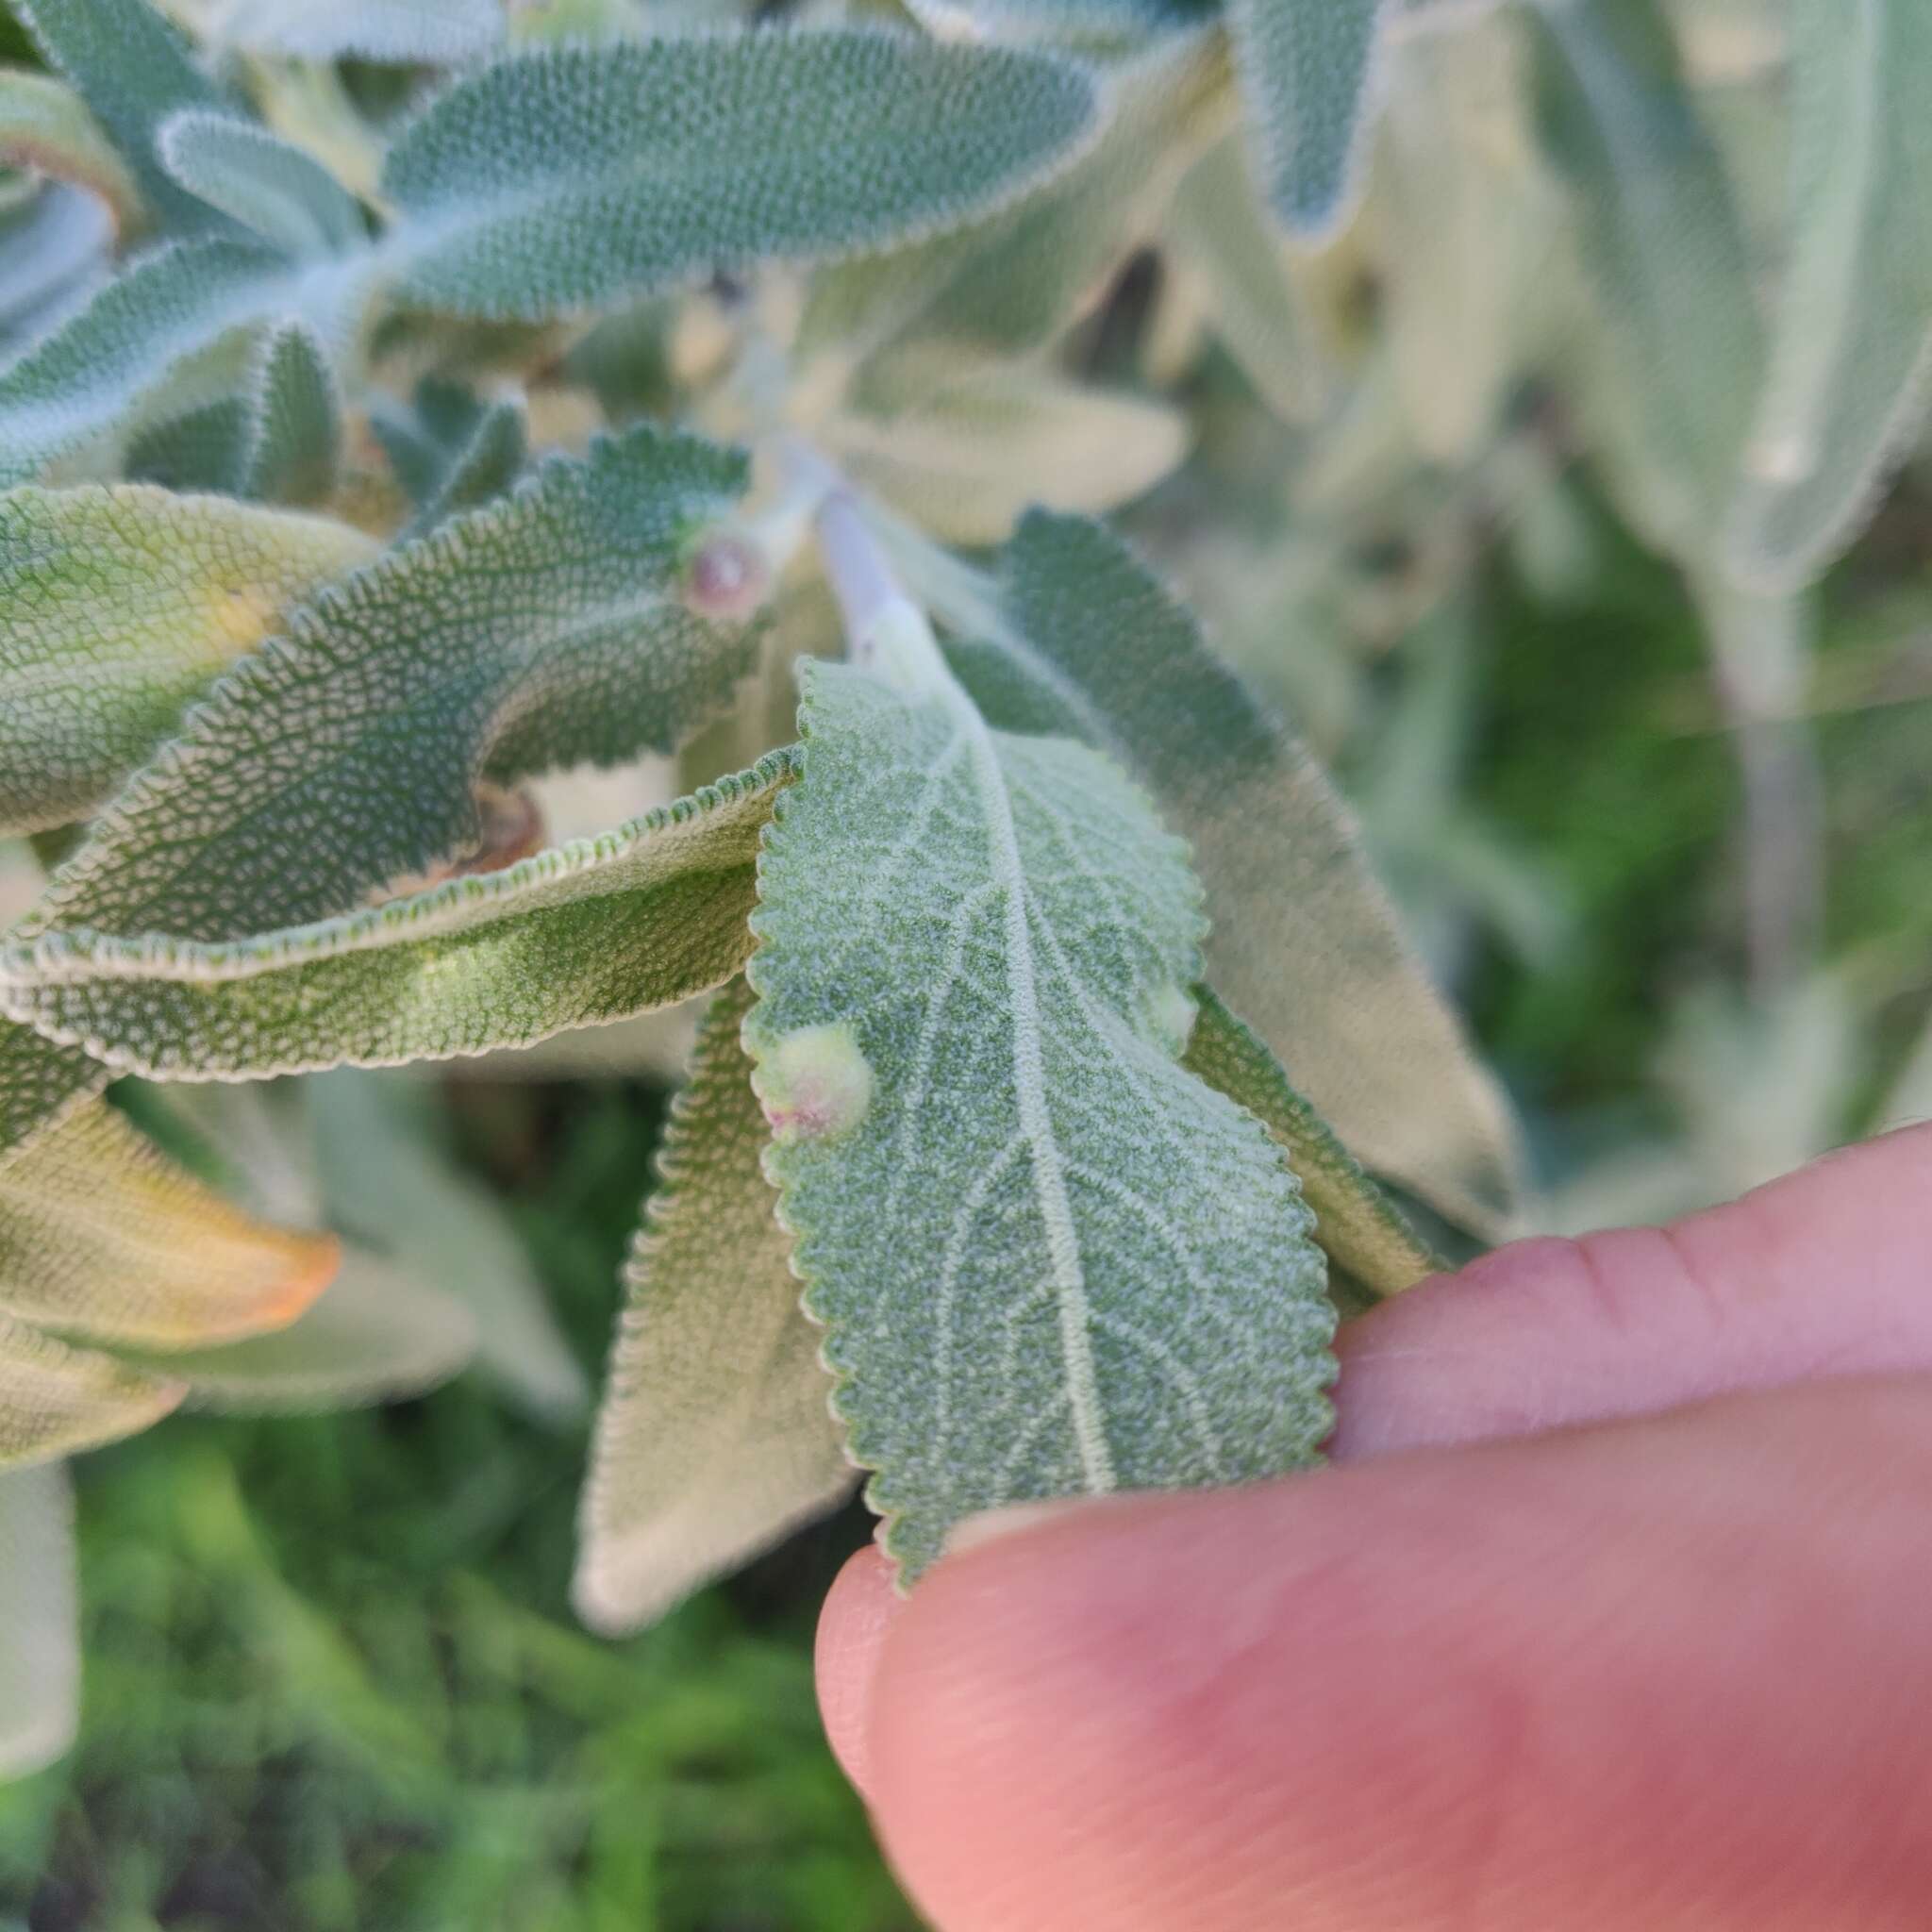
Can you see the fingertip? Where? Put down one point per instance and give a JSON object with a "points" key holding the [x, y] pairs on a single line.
{"points": [[858, 1613]]}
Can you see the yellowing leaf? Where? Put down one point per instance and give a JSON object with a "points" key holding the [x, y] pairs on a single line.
{"points": [[46, 125], [123, 602], [103, 1239]]}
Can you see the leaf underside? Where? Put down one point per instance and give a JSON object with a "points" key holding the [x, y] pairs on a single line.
{"points": [[716, 1435], [638, 918], [1304, 943], [1049, 1261]]}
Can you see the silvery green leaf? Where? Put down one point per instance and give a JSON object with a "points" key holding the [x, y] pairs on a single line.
{"points": [[203, 450], [104, 1240], [542, 631], [596, 930], [273, 189], [1362, 1232], [1311, 74], [57, 1400], [453, 451], [54, 252], [1078, 637], [294, 446], [556, 179], [385, 1181], [1853, 337], [1021, 279], [133, 68], [40, 1621], [1218, 229], [438, 33], [1454, 234], [716, 1435], [86, 376], [966, 455], [46, 126], [1049, 1261], [378, 1335], [123, 602], [1665, 256]]}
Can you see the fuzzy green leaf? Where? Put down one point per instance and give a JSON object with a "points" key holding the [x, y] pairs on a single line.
{"points": [[538, 632], [133, 68], [55, 1400], [1310, 71], [1078, 637], [1358, 1227], [40, 1085], [450, 449], [294, 443], [387, 1185], [203, 450], [599, 929], [123, 602], [47, 126], [1853, 339], [553, 180], [1021, 279], [378, 1335], [1665, 253], [104, 1239], [40, 1620], [54, 248], [716, 1435], [85, 376], [258, 181], [1049, 1261], [440, 33]]}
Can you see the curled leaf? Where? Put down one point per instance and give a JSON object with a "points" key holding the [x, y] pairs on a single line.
{"points": [[716, 1435], [55, 1400]]}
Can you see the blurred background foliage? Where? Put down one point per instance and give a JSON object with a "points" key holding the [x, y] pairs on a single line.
{"points": [[333, 1677]]}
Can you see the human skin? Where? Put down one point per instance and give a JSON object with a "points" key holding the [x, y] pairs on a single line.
{"points": [[1616, 1614]]}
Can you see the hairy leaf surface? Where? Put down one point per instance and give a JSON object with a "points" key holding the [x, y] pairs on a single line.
{"points": [[1310, 71], [1049, 1259], [294, 443], [56, 1399], [556, 179], [385, 1181], [40, 1620], [1078, 637], [1853, 337], [122, 603], [1358, 1227], [86, 376], [133, 68], [716, 1435], [53, 247], [538, 632], [260, 181], [104, 1240], [46, 126], [599, 929]]}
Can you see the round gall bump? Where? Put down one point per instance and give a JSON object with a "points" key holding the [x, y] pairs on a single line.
{"points": [[726, 577], [815, 1084]]}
